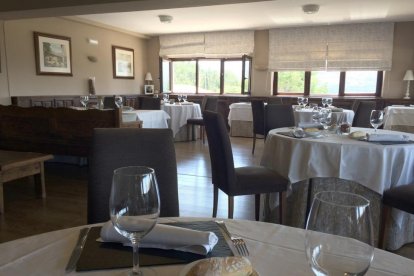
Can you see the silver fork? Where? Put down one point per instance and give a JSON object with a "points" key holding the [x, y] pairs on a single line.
{"points": [[238, 242]]}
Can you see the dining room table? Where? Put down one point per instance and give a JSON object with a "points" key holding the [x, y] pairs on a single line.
{"points": [[179, 114], [274, 250], [149, 118], [399, 117], [334, 161], [338, 115]]}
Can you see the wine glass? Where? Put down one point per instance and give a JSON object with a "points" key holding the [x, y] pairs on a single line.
{"points": [[323, 102], [305, 101], [329, 102], [339, 234], [300, 101], [180, 98], [84, 101], [325, 117], [376, 119], [134, 205], [118, 101], [184, 98]]}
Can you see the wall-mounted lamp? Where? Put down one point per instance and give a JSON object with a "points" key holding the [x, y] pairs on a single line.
{"points": [[93, 41], [148, 78], [165, 18], [409, 76], [92, 58]]}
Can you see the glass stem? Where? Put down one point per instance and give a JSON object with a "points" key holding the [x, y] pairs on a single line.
{"points": [[135, 258]]}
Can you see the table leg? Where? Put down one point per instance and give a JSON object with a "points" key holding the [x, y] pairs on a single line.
{"points": [[1, 199], [42, 179]]}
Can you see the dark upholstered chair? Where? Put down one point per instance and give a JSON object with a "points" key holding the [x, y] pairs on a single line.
{"points": [[109, 103], [274, 100], [402, 198], [362, 111], [278, 115], [250, 180], [149, 103], [258, 111], [209, 103], [119, 147]]}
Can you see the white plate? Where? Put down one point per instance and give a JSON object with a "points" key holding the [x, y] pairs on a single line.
{"points": [[313, 133], [187, 268]]}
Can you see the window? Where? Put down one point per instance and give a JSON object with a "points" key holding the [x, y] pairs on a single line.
{"points": [[204, 75], [328, 83]]}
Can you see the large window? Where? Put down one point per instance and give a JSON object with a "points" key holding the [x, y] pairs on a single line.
{"points": [[328, 83], [202, 75]]}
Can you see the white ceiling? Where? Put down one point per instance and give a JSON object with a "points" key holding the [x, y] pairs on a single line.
{"points": [[256, 16]]}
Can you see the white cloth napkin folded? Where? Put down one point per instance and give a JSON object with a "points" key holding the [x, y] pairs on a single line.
{"points": [[336, 109], [167, 237], [309, 125], [376, 137], [187, 103]]}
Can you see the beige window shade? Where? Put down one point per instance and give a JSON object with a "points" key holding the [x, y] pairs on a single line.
{"points": [[214, 44], [339, 47]]}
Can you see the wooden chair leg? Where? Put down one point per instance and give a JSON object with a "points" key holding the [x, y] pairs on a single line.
{"points": [[257, 207], [254, 142], [231, 206], [386, 212], [215, 201], [282, 207], [1, 198], [203, 133]]}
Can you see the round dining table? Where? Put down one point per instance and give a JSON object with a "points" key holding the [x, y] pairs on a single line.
{"points": [[337, 162], [339, 115], [274, 250], [179, 114]]}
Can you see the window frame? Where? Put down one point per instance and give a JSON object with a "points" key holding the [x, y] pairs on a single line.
{"points": [[243, 59], [341, 90]]}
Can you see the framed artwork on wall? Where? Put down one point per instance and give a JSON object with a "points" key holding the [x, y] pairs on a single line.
{"points": [[53, 54], [149, 89], [123, 62]]}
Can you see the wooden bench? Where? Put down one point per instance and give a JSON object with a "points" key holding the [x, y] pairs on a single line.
{"points": [[15, 165]]}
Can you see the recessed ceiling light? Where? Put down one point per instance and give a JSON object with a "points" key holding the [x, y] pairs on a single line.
{"points": [[310, 8], [164, 18]]}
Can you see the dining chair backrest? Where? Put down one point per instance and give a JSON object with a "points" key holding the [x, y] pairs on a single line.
{"points": [[109, 103], [221, 156], [149, 103], [209, 103], [275, 100], [278, 115], [258, 111], [113, 148], [362, 111]]}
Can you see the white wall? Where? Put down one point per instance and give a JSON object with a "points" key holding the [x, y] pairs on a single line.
{"points": [[4, 87], [22, 77]]}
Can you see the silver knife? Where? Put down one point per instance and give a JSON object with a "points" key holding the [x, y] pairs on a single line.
{"points": [[226, 235], [83, 234]]}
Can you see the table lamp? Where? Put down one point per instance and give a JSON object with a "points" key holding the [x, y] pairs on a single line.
{"points": [[409, 76], [148, 78]]}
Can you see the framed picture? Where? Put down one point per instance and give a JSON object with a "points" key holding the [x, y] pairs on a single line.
{"points": [[123, 62], [53, 54], [149, 89]]}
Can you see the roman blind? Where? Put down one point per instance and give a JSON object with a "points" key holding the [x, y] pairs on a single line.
{"points": [[213, 44], [365, 46]]}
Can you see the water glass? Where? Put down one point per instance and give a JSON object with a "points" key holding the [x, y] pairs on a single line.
{"points": [[305, 101], [118, 101], [184, 98], [134, 205], [324, 102], [300, 101], [339, 234], [84, 101], [376, 119], [329, 102]]}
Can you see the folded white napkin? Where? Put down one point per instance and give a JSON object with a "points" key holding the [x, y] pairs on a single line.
{"points": [[309, 125], [336, 109], [167, 237], [375, 137], [187, 103]]}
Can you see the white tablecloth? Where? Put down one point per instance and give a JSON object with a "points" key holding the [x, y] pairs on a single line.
{"points": [[376, 167], [274, 250], [149, 118], [180, 113], [240, 112], [398, 116], [305, 116]]}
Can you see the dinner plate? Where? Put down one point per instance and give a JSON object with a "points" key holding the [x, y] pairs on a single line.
{"points": [[313, 133], [187, 268]]}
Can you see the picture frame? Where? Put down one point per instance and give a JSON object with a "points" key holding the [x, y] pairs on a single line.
{"points": [[53, 54], [148, 89], [123, 62]]}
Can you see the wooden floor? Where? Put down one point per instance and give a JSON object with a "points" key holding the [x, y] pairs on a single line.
{"points": [[66, 186]]}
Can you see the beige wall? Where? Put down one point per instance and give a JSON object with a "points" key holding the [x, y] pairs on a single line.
{"points": [[402, 60], [23, 80], [152, 60], [4, 87]]}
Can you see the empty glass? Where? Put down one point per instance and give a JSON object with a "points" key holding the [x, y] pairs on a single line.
{"points": [[134, 205], [324, 102], [300, 101], [180, 98], [339, 234], [305, 101], [376, 119], [118, 101], [184, 98], [329, 102], [165, 97], [84, 101]]}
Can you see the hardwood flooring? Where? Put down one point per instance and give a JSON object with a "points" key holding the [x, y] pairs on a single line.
{"points": [[66, 186]]}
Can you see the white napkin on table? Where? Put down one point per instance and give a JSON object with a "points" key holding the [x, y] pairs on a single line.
{"points": [[187, 103], [336, 109], [309, 125], [376, 137], [167, 237]]}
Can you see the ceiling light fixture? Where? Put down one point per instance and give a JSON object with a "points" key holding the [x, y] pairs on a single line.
{"points": [[310, 8], [164, 18]]}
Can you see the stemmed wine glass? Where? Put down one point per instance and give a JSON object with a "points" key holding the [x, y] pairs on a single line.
{"points": [[300, 101], [184, 97], [376, 119], [329, 102], [324, 102], [84, 101], [339, 234], [134, 205], [118, 101], [180, 98], [325, 117], [305, 101]]}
